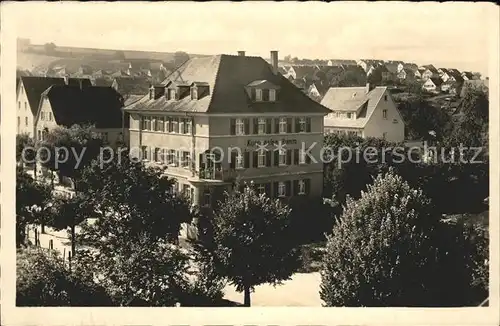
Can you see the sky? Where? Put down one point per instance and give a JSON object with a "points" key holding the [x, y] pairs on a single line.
{"points": [[444, 34]]}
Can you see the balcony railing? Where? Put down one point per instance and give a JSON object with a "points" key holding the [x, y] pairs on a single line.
{"points": [[215, 174]]}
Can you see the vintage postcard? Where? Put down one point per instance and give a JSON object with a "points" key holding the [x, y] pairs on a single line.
{"points": [[174, 163]]}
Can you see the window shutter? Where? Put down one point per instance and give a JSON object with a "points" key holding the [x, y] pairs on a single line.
{"points": [[276, 157], [276, 125], [296, 156], [181, 126], [268, 158], [267, 186], [255, 159], [233, 126], [255, 126], [308, 124], [308, 185], [246, 126], [288, 157], [297, 124], [275, 192], [192, 127], [246, 159], [268, 126], [265, 95], [232, 164], [289, 123], [295, 187], [252, 94], [288, 188]]}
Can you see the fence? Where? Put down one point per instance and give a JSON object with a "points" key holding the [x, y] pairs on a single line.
{"points": [[49, 244]]}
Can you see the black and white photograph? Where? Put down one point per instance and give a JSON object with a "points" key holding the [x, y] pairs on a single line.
{"points": [[266, 155]]}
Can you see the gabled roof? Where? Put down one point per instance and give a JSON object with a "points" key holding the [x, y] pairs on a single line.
{"points": [[99, 106], [431, 68], [35, 86], [304, 71], [227, 76], [80, 82], [132, 86], [413, 67], [444, 70], [468, 74], [341, 99], [437, 81], [392, 67]]}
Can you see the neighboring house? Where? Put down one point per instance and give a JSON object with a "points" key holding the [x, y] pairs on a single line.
{"points": [[302, 72], [131, 86], [85, 70], [455, 75], [432, 85], [64, 105], [429, 71], [369, 64], [317, 90], [399, 65], [407, 74], [28, 94], [444, 74], [224, 102], [394, 69], [479, 83], [363, 111], [467, 75], [341, 63]]}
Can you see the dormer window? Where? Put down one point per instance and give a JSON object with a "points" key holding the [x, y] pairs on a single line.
{"points": [[258, 94], [171, 94]]}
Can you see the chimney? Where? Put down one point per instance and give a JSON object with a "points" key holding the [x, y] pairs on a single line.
{"points": [[241, 53], [274, 61]]}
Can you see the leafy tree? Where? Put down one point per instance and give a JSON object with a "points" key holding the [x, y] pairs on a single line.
{"points": [[74, 147], [252, 241], [287, 58], [421, 117], [390, 249], [180, 58], [29, 194], [138, 197], [50, 48], [348, 78], [44, 280], [25, 149], [69, 212]]}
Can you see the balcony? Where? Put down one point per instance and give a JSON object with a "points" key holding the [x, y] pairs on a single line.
{"points": [[216, 174]]}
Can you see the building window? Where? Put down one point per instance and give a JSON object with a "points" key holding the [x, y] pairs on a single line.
{"points": [[261, 126], [384, 113], [25, 106], [39, 134], [272, 95], [186, 158], [385, 97], [26, 121], [50, 116], [240, 127], [172, 94], [174, 123], [187, 126], [349, 115], [261, 159], [258, 94], [281, 189], [156, 155], [144, 153], [261, 188], [302, 187], [302, 125], [282, 157], [239, 161], [186, 191], [194, 93], [282, 127], [158, 123], [42, 116]]}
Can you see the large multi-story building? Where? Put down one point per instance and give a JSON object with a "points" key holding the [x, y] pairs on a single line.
{"points": [[220, 119]]}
